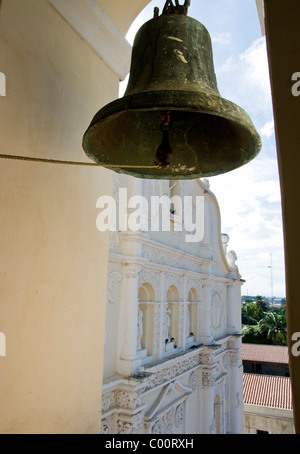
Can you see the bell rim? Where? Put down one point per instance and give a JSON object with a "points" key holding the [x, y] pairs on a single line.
{"points": [[163, 100], [156, 101]]}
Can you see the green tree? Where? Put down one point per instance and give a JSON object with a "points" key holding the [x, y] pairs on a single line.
{"points": [[249, 314], [255, 335], [275, 327], [263, 306]]}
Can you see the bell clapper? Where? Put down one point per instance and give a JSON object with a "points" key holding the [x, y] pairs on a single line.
{"points": [[164, 153]]}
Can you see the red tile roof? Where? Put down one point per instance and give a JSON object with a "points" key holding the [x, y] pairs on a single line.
{"points": [[267, 391], [265, 353]]}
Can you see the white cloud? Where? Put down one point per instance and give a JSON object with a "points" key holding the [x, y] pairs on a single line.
{"points": [[245, 79], [249, 200], [222, 38], [268, 129]]}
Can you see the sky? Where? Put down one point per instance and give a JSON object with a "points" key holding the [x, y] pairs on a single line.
{"points": [[249, 197]]}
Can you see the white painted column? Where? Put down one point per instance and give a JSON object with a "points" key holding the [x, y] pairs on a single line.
{"points": [[206, 332], [236, 405], [231, 309], [129, 362], [162, 311], [208, 422], [181, 326], [183, 312]]}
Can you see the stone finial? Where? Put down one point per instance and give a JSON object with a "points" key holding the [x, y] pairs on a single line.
{"points": [[231, 259]]}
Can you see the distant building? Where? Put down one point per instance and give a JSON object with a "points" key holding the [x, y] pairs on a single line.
{"points": [[265, 359], [267, 389], [267, 404]]}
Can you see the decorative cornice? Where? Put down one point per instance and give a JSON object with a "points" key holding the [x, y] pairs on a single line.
{"points": [[93, 25]]}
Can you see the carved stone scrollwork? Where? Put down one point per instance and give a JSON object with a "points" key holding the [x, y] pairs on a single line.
{"points": [[105, 428], [150, 276], [177, 260], [235, 358], [193, 381], [126, 399], [206, 358], [157, 428], [107, 401], [208, 378], [179, 415], [130, 424], [166, 422]]}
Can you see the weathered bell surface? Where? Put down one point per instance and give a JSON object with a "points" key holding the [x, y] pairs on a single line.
{"points": [[172, 122]]}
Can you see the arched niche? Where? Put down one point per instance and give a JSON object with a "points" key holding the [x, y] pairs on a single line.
{"points": [[172, 315], [193, 315], [146, 319]]}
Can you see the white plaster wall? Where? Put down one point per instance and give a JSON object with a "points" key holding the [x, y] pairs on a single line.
{"points": [[272, 420], [53, 263]]}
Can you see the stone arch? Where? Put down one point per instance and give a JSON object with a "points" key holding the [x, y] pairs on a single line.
{"points": [[146, 319], [193, 314], [172, 314], [146, 292]]}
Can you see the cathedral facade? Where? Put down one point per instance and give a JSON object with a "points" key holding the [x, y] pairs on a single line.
{"points": [[172, 361]]}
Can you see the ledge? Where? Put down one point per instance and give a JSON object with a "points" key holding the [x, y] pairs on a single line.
{"points": [[92, 24], [261, 14]]}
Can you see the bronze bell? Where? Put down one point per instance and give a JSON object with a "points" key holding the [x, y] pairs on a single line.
{"points": [[172, 122]]}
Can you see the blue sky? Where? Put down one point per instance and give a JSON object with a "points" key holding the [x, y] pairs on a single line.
{"points": [[249, 197]]}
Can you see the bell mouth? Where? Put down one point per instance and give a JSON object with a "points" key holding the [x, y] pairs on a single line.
{"points": [[209, 135]]}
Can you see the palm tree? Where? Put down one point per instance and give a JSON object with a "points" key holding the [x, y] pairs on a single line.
{"points": [[276, 326]]}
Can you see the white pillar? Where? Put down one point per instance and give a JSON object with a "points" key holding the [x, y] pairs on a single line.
{"points": [[206, 331], [234, 318], [129, 362], [208, 380], [231, 310], [236, 392], [162, 311]]}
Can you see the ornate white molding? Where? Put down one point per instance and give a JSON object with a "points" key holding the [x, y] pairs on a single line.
{"points": [[162, 255], [208, 377], [167, 390], [130, 424], [147, 276], [93, 25], [125, 401]]}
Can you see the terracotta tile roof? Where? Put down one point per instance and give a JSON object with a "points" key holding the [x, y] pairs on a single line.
{"points": [[265, 353], [267, 391]]}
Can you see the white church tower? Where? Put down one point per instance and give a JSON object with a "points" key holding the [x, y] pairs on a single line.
{"points": [[172, 361]]}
